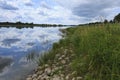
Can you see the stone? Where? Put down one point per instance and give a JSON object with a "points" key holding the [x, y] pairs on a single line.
{"points": [[55, 69], [46, 65], [39, 72], [56, 77], [63, 61], [34, 79], [67, 77], [79, 78], [45, 77], [48, 71], [60, 58], [39, 77], [73, 78], [34, 76], [29, 78], [63, 56]]}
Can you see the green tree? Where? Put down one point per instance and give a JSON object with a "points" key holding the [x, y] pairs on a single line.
{"points": [[111, 21], [117, 18], [105, 21]]}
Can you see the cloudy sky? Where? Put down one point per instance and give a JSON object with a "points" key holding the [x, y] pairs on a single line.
{"points": [[58, 11]]}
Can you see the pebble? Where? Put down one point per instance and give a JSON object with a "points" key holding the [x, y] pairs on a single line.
{"points": [[48, 72], [79, 78], [34, 76], [46, 65], [29, 78], [63, 61]]}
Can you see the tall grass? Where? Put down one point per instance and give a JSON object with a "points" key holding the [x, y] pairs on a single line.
{"points": [[96, 49], [97, 52]]}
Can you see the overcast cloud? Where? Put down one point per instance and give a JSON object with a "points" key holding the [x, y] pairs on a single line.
{"points": [[58, 11]]}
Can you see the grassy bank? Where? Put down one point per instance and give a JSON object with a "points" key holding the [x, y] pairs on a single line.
{"points": [[96, 50]]}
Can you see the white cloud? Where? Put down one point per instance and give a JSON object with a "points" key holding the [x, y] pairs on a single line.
{"points": [[57, 11], [43, 13], [28, 2], [7, 5], [71, 3]]}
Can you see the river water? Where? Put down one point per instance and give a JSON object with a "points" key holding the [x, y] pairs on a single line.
{"points": [[17, 44]]}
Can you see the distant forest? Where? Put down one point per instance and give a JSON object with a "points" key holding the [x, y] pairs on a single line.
{"points": [[21, 25], [115, 20]]}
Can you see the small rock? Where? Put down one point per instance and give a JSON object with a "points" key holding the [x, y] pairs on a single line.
{"points": [[63, 56], [46, 65], [56, 78], [39, 77], [73, 78], [48, 71], [60, 58], [67, 77], [55, 69], [45, 77], [34, 79], [79, 78], [34, 76], [29, 78], [63, 61], [39, 72]]}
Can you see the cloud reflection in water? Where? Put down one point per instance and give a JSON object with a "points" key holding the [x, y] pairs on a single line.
{"points": [[17, 43]]}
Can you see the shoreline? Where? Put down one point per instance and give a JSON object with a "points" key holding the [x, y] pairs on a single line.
{"points": [[56, 69], [84, 53]]}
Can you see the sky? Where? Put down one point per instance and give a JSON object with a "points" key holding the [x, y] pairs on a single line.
{"points": [[58, 11]]}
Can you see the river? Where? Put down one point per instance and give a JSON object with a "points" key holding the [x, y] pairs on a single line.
{"points": [[16, 46]]}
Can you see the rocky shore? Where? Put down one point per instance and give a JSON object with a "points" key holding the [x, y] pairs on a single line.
{"points": [[59, 69]]}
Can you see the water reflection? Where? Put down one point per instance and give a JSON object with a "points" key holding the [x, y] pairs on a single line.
{"points": [[21, 43], [4, 62], [8, 42]]}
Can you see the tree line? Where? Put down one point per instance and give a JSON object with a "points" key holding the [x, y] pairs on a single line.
{"points": [[116, 19], [21, 24]]}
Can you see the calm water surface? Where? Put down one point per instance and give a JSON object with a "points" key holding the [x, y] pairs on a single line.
{"points": [[17, 44]]}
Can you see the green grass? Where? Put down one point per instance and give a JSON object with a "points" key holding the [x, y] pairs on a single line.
{"points": [[96, 49]]}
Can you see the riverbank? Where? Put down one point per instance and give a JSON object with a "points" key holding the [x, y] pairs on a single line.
{"points": [[90, 52]]}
